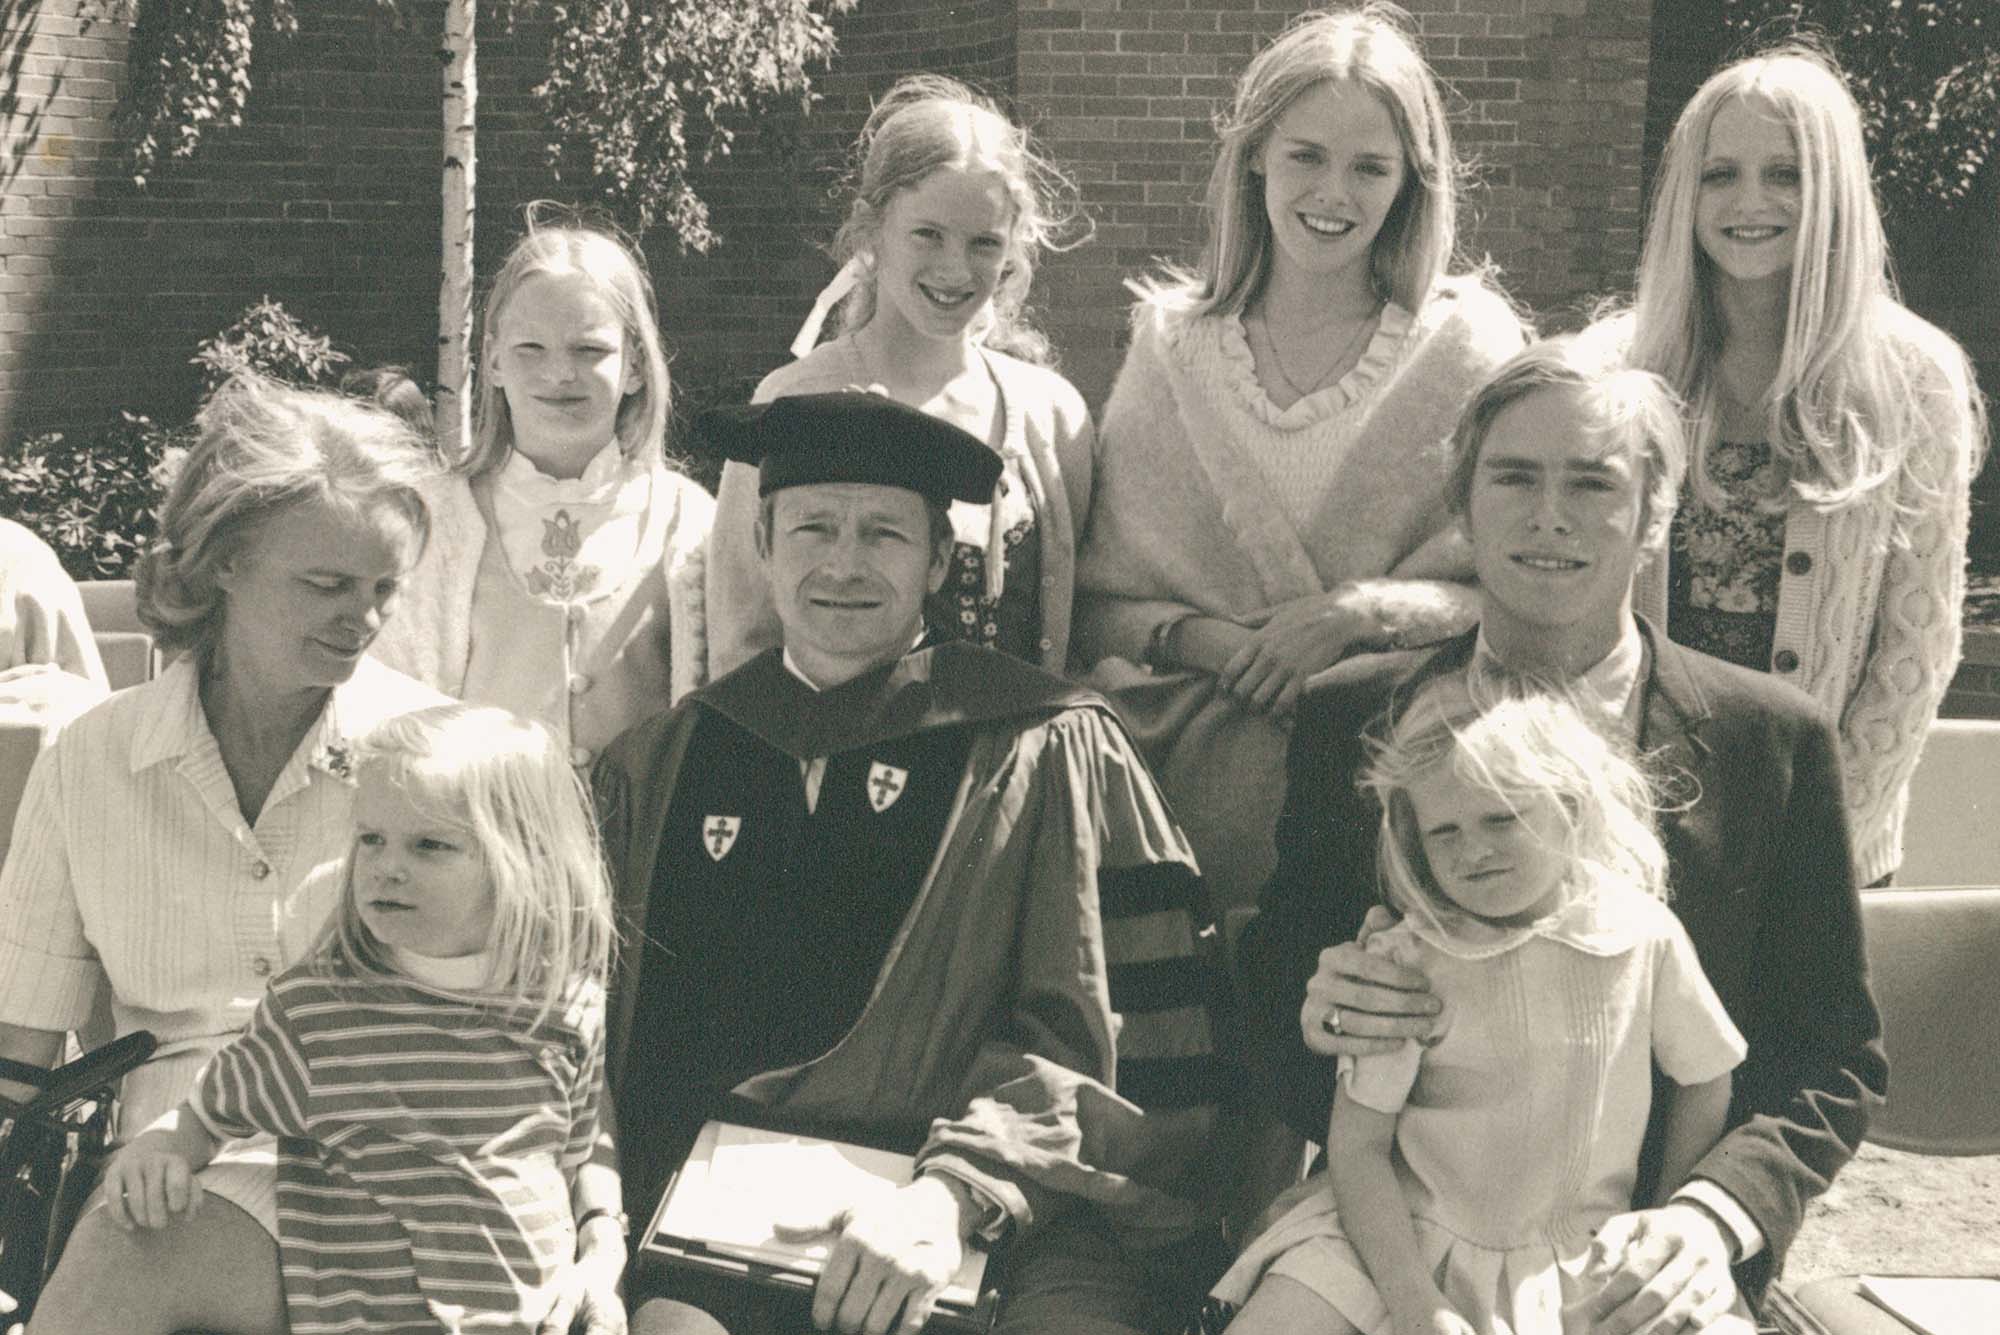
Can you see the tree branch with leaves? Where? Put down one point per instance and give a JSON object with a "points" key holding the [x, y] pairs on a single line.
{"points": [[642, 92]]}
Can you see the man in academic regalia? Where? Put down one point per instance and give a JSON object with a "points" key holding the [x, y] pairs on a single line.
{"points": [[861, 882]]}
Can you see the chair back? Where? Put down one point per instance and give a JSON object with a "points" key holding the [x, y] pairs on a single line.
{"points": [[1932, 964], [1952, 833], [122, 639]]}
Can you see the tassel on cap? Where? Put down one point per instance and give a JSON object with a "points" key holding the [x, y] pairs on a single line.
{"points": [[829, 297]]}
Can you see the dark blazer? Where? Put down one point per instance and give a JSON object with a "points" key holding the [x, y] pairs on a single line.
{"points": [[1761, 877]]}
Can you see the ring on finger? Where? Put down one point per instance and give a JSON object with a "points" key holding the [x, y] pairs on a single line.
{"points": [[1332, 1021]]}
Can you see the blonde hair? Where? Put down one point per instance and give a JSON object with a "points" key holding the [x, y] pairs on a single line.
{"points": [[1528, 743], [616, 272], [1373, 45], [260, 449], [1845, 407], [926, 122], [1631, 412], [512, 786]]}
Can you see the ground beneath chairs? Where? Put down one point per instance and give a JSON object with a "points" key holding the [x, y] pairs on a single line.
{"points": [[1891, 1213]]}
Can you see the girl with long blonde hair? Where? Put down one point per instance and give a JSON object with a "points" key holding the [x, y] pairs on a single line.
{"points": [[1834, 434], [432, 1070]]}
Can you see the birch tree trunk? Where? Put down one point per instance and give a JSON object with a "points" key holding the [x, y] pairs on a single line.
{"points": [[461, 105]]}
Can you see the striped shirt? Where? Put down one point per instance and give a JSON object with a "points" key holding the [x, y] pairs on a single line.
{"points": [[426, 1148]]}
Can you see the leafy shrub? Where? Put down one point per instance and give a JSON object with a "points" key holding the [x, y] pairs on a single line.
{"points": [[1927, 76], [268, 340], [94, 499]]}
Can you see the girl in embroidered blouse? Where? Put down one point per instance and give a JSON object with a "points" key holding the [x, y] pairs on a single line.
{"points": [[1267, 501], [1473, 1182], [951, 208], [437, 1056], [564, 576], [1822, 530]]}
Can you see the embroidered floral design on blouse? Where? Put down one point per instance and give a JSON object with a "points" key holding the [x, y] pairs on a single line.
{"points": [[1723, 583], [560, 576], [969, 614]]}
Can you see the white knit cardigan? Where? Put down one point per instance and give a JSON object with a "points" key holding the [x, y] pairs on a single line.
{"points": [[1871, 597]]}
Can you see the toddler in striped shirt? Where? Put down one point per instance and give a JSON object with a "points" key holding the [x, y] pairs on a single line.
{"points": [[432, 1071]]}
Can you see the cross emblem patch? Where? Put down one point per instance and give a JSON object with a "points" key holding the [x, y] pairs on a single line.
{"points": [[718, 835], [885, 785]]}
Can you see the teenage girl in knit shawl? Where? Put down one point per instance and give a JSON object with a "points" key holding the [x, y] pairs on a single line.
{"points": [[1822, 531], [1268, 491], [951, 208]]}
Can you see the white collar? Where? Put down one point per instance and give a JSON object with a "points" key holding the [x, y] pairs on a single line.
{"points": [[175, 728], [1607, 686], [792, 666], [1606, 923], [457, 973], [608, 469]]}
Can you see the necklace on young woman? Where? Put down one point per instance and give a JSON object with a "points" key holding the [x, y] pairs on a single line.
{"points": [[1302, 388]]}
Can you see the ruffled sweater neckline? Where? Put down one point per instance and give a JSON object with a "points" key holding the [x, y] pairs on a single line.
{"points": [[1377, 360]]}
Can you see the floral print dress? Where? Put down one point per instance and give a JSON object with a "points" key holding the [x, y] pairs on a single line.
{"points": [[1723, 570]]}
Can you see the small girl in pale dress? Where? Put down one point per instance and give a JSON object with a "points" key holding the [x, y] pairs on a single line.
{"points": [[1469, 1177]]}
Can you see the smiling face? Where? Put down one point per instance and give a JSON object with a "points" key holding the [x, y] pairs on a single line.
{"points": [[940, 250], [850, 564], [563, 361], [1747, 203], [419, 882], [1554, 515], [1333, 166], [308, 592], [1497, 859]]}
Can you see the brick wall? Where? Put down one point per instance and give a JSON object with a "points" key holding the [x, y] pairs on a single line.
{"points": [[326, 198]]}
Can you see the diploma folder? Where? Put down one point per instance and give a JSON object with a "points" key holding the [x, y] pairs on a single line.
{"points": [[721, 1212]]}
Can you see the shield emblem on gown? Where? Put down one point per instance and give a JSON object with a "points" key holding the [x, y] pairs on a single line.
{"points": [[718, 835], [885, 785]]}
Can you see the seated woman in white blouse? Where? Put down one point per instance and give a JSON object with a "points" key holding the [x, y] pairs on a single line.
{"points": [[160, 835]]}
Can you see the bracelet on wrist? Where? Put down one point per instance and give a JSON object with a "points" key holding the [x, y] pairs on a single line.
{"points": [[598, 1212]]}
